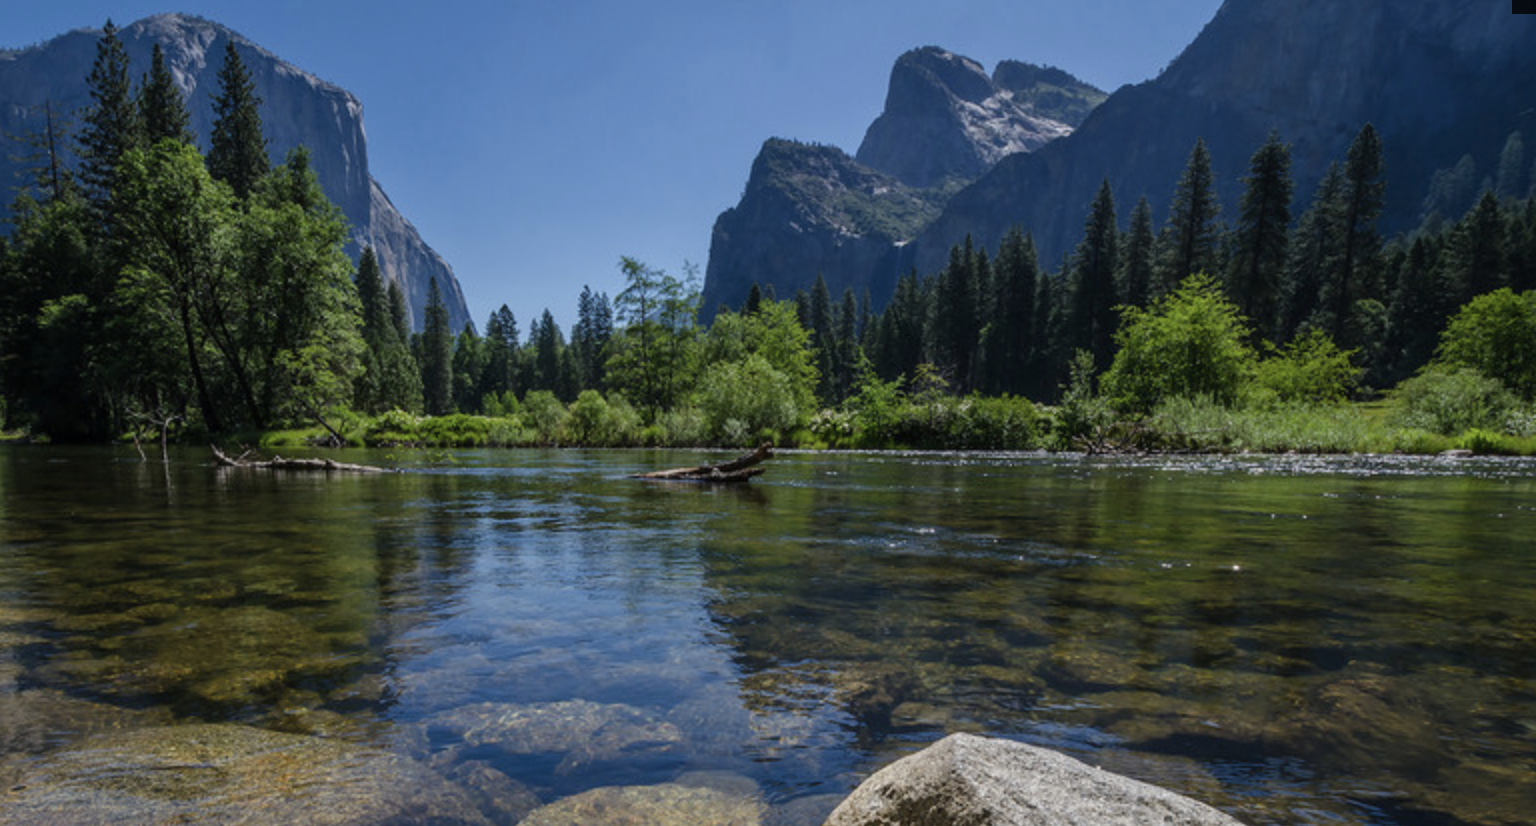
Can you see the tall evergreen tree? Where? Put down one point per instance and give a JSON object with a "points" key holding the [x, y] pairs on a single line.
{"points": [[501, 353], [1257, 271], [399, 312], [821, 327], [1421, 302], [900, 345], [237, 154], [845, 344], [1138, 257], [1093, 280], [1476, 255], [1010, 331], [1191, 235], [1314, 251], [590, 337], [1359, 207], [391, 379], [547, 342], [162, 109], [954, 320], [469, 359], [437, 356], [111, 124]]}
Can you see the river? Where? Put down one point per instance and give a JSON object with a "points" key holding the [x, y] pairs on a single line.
{"points": [[1294, 640]]}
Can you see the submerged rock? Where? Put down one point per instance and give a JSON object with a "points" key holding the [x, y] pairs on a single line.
{"points": [[965, 780], [212, 773], [669, 804], [583, 731]]}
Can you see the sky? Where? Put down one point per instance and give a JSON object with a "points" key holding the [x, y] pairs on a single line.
{"points": [[533, 143]]}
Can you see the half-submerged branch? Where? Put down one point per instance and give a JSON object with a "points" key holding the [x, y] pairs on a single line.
{"points": [[736, 470], [279, 463]]}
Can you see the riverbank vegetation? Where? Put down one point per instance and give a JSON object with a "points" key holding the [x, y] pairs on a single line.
{"points": [[150, 290]]}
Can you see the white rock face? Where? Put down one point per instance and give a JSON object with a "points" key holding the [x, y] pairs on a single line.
{"points": [[965, 780], [944, 117], [298, 109]]}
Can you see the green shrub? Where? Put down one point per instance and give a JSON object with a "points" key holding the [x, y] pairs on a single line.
{"points": [[544, 416], [1190, 343], [740, 398], [595, 421], [456, 430], [1452, 400], [1310, 370]]}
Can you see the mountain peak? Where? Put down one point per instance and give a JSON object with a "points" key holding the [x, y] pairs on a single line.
{"points": [[946, 118]]}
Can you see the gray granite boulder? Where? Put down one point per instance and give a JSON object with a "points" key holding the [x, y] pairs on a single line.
{"points": [[965, 780]]}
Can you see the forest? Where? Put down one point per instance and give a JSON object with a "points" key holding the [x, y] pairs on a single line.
{"points": [[146, 288]]}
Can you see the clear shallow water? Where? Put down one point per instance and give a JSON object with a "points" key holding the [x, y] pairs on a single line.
{"points": [[1294, 640]]}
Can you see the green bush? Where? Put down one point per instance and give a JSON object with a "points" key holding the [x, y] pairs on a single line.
{"points": [[1190, 343], [544, 416], [595, 421], [456, 430], [1310, 370], [740, 398], [1452, 400], [1495, 334]]}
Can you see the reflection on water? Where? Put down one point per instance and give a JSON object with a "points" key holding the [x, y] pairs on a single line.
{"points": [[1295, 640]]}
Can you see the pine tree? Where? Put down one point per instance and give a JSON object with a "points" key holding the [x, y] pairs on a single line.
{"points": [[1191, 235], [845, 344], [1093, 280], [821, 327], [1011, 332], [954, 328], [111, 124], [1263, 237], [162, 109], [469, 357], [590, 337], [437, 356], [754, 300], [1360, 205], [1476, 255], [237, 153], [500, 372], [1421, 303], [1138, 257], [1314, 251]]}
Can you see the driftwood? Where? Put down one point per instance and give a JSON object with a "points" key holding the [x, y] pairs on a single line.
{"points": [[279, 463], [736, 470]]}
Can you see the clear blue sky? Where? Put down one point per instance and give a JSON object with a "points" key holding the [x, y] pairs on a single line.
{"points": [[534, 142]]}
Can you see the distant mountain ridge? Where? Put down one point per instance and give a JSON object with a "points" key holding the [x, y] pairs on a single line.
{"points": [[298, 108], [811, 210], [1437, 79]]}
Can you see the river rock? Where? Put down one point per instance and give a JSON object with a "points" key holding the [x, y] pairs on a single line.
{"points": [[966, 780], [220, 773], [585, 732], [669, 804]]}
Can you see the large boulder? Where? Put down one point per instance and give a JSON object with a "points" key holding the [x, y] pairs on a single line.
{"points": [[966, 780]]}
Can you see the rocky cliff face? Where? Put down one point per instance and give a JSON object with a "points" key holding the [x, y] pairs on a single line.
{"points": [[1436, 78], [945, 118], [811, 210], [298, 109]]}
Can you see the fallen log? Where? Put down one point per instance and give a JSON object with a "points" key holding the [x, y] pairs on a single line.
{"points": [[737, 470], [279, 463]]}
